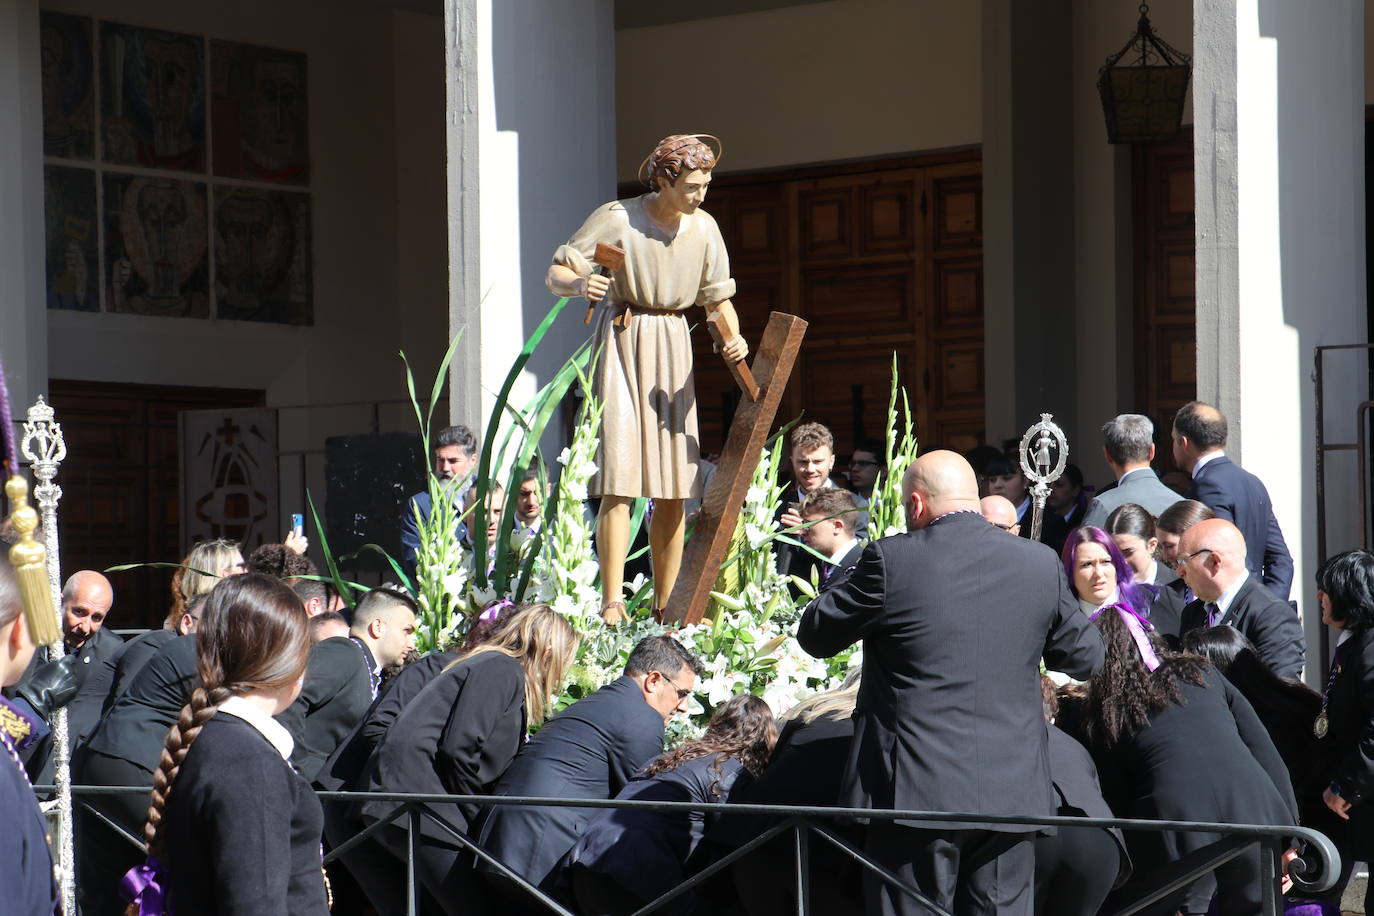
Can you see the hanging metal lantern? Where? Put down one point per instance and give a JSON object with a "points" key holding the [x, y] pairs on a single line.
{"points": [[1143, 87]]}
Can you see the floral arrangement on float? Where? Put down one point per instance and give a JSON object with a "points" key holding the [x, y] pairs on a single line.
{"points": [[745, 641]]}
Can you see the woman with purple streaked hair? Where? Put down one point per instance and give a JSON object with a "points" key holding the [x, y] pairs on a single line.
{"points": [[1099, 575]]}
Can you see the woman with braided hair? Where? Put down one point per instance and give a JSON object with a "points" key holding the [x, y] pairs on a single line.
{"points": [[233, 829]]}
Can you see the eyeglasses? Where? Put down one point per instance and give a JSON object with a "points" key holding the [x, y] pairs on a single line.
{"points": [[1180, 562], [681, 694], [860, 463]]}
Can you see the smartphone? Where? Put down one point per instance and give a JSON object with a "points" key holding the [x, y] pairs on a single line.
{"points": [[298, 525]]}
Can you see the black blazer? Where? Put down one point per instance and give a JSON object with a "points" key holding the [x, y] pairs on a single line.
{"points": [[93, 666], [455, 738], [1235, 494], [336, 696], [1166, 607], [955, 618], [345, 766], [136, 727], [137, 653], [1079, 793], [242, 830], [1054, 531], [1268, 622], [590, 750], [1346, 754], [29, 886], [1205, 759]]}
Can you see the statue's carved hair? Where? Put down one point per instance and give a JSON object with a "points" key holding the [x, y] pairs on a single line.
{"points": [[253, 633], [676, 154]]}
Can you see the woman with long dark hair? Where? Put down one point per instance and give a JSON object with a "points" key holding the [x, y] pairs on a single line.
{"points": [[233, 829], [629, 857], [1173, 740], [1286, 707], [1344, 726], [458, 736]]}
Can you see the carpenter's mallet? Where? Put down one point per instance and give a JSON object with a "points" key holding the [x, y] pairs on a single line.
{"points": [[738, 368], [608, 260]]}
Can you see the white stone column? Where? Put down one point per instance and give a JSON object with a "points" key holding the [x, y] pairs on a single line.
{"points": [[1279, 127], [1028, 216], [531, 140], [23, 311]]}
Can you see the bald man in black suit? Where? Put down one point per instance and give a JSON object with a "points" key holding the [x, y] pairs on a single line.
{"points": [[955, 617]]}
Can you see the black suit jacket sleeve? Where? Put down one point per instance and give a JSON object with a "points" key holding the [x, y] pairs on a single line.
{"points": [[1074, 644], [1354, 769], [839, 617], [1256, 738], [1277, 635], [637, 749], [1278, 562]]}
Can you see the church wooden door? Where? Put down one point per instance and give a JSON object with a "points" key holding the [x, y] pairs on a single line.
{"points": [[880, 258]]}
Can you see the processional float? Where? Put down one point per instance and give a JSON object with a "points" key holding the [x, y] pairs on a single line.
{"points": [[37, 568]]}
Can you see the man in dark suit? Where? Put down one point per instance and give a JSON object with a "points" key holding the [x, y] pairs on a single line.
{"points": [[590, 750], [832, 514], [343, 675], [1211, 559], [955, 617], [455, 458], [95, 652], [1128, 444], [1232, 492], [812, 456]]}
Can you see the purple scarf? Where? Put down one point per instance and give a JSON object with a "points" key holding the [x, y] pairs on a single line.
{"points": [[1139, 627]]}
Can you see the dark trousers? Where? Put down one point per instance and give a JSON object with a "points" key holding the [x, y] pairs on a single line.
{"points": [[373, 868], [102, 855], [1074, 871], [1239, 890], [966, 871], [599, 895], [445, 875]]}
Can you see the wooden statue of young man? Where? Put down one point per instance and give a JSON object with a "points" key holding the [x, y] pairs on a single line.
{"points": [[674, 259]]}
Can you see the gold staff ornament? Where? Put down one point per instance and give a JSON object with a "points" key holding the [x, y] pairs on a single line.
{"points": [[29, 558]]}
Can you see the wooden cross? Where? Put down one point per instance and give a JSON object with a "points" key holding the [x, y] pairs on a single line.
{"points": [[720, 508]]}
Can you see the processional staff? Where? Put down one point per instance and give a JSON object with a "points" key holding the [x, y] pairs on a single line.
{"points": [[45, 450], [1044, 454]]}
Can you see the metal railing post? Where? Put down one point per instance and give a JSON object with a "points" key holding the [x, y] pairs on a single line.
{"points": [[802, 832], [412, 853]]}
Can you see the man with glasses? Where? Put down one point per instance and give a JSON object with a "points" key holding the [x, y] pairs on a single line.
{"points": [[1211, 560], [590, 750]]}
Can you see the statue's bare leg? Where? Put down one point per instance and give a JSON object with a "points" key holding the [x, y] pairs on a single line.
{"points": [[612, 544], [666, 532]]}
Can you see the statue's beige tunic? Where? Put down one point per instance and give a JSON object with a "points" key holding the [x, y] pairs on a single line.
{"points": [[649, 441]]}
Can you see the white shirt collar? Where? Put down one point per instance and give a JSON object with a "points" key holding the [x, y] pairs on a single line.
{"points": [[1151, 572], [1210, 456], [1224, 602], [843, 549], [1090, 608], [267, 726], [801, 497], [1345, 634]]}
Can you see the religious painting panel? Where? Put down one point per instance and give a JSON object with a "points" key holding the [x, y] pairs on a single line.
{"points": [[152, 98], [260, 121], [70, 243], [68, 69], [262, 256], [229, 476], [155, 246]]}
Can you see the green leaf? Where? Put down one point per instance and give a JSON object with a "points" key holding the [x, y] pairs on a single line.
{"points": [[395, 566], [328, 554]]}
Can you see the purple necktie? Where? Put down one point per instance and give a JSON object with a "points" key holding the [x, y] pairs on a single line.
{"points": [[1213, 614]]}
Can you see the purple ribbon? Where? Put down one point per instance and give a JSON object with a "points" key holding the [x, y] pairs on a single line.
{"points": [[1139, 627], [490, 614], [143, 885]]}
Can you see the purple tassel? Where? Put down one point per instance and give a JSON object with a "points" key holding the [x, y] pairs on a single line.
{"points": [[144, 885]]}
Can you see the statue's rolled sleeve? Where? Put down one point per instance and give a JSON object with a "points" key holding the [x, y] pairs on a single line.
{"points": [[574, 260], [719, 291]]}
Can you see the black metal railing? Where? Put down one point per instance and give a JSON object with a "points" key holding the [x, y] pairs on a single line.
{"points": [[1315, 869]]}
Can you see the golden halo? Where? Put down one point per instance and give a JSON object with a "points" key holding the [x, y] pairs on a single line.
{"points": [[643, 176]]}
